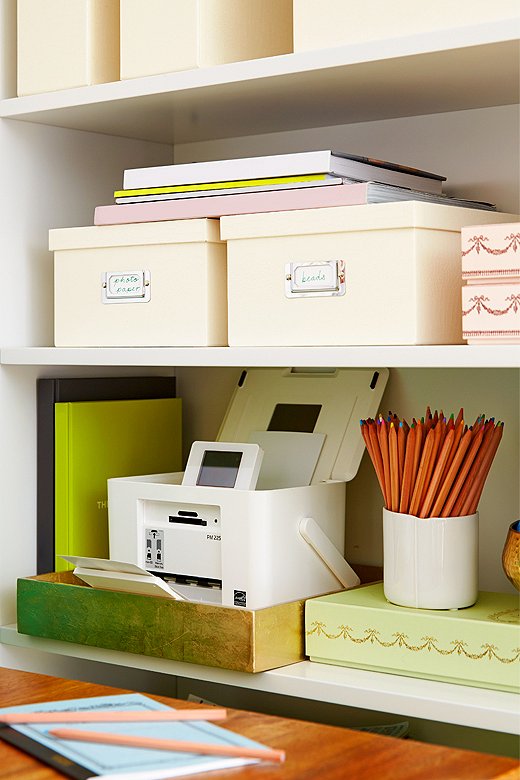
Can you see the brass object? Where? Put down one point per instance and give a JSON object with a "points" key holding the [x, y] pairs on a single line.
{"points": [[511, 554], [59, 606]]}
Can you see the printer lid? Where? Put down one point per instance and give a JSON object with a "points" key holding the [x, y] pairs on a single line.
{"points": [[322, 400]]}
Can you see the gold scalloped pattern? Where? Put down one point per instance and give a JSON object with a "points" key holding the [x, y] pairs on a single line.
{"points": [[427, 643]]}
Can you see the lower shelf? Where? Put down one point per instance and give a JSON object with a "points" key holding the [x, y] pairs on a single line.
{"points": [[410, 697]]}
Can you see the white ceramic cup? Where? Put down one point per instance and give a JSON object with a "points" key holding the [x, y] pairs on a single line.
{"points": [[430, 563]]}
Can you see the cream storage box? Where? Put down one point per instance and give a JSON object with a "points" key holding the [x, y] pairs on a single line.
{"points": [[491, 270], [160, 36], [148, 284], [384, 273], [475, 646], [336, 22], [66, 43]]}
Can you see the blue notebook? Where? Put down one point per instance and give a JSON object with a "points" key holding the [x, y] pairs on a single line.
{"points": [[82, 760]]}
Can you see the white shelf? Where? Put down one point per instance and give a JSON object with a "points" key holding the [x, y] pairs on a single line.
{"points": [[448, 70], [461, 356], [410, 697]]}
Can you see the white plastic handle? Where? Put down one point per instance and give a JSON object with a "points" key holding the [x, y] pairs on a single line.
{"points": [[330, 555]]}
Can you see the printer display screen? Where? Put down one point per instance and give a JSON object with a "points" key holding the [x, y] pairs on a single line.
{"points": [[219, 468]]}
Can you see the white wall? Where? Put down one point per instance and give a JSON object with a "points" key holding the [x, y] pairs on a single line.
{"points": [[476, 150]]}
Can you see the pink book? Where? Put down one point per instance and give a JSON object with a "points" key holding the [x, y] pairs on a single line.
{"points": [[229, 205]]}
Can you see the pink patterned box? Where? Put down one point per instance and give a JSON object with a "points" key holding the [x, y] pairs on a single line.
{"points": [[491, 313], [491, 253]]}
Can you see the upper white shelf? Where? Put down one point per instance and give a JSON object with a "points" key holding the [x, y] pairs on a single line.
{"points": [[447, 70], [463, 356]]}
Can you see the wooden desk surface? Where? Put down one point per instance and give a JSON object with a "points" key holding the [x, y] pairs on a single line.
{"points": [[312, 750]]}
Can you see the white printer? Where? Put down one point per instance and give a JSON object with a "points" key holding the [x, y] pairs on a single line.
{"points": [[283, 540]]}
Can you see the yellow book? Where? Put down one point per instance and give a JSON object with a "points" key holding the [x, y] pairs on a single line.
{"points": [[96, 440], [223, 187]]}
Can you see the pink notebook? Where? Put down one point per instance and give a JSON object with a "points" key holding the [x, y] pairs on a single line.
{"points": [[228, 205]]}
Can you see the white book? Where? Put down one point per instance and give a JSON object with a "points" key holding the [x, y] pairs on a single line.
{"points": [[294, 164]]}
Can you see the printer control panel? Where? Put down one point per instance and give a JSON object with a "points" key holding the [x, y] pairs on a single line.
{"points": [[181, 539]]}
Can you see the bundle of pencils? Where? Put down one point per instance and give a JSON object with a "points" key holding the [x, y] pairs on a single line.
{"points": [[434, 467]]}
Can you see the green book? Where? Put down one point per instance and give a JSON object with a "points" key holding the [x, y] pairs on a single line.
{"points": [[97, 440]]}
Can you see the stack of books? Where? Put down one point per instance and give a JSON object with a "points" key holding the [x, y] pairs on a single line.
{"points": [[283, 182]]}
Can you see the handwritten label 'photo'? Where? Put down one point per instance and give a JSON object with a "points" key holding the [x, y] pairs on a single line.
{"points": [[126, 286]]}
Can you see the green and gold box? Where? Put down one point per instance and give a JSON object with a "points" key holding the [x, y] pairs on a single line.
{"points": [[478, 646], [60, 606]]}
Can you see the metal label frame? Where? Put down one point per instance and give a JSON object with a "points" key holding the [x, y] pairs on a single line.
{"points": [[134, 286], [315, 279]]}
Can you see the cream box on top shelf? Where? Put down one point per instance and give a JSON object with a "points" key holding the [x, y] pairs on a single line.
{"points": [[147, 284], [66, 43], [160, 36], [491, 270], [336, 22], [372, 274]]}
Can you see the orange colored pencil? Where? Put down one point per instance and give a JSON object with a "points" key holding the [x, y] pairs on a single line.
{"points": [[378, 460], [481, 424], [369, 443], [419, 435], [469, 506], [460, 416], [443, 424], [394, 468], [435, 481], [449, 476], [422, 472], [366, 438], [465, 468], [406, 484], [401, 449], [125, 716], [385, 456], [153, 743], [364, 427], [437, 434]]}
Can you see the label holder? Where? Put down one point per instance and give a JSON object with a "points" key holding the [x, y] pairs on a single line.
{"points": [[315, 279], [126, 286]]}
